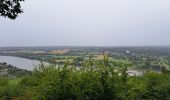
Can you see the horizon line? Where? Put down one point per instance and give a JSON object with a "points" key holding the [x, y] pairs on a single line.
{"points": [[88, 46]]}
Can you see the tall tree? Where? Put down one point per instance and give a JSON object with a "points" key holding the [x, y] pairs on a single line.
{"points": [[10, 8]]}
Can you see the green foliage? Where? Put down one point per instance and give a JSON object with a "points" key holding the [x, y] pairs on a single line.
{"points": [[93, 81], [157, 86], [151, 86], [10, 8], [9, 88], [96, 80]]}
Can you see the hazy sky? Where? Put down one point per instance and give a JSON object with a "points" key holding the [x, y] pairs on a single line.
{"points": [[88, 22]]}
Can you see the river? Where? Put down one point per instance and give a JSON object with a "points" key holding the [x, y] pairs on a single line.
{"points": [[30, 64], [22, 63]]}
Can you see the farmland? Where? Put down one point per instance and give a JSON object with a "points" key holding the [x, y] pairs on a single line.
{"points": [[154, 58]]}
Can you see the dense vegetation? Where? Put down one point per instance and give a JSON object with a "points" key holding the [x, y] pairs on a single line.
{"points": [[105, 80], [10, 8]]}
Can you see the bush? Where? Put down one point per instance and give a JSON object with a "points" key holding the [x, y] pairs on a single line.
{"points": [[94, 81], [104, 80], [8, 89]]}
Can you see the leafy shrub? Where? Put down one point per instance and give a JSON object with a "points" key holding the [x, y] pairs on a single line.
{"points": [[8, 89], [102, 80], [93, 81]]}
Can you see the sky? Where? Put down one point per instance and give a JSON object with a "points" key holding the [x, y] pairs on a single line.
{"points": [[88, 23]]}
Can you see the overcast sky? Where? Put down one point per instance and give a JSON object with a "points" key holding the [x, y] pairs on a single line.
{"points": [[88, 23]]}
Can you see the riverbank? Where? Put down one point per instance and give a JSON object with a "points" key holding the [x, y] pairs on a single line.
{"points": [[10, 71]]}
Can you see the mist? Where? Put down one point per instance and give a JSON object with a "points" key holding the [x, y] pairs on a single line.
{"points": [[88, 23]]}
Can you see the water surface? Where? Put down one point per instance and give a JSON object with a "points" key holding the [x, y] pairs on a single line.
{"points": [[22, 63]]}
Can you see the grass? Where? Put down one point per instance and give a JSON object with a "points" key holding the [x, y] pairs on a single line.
{"points": [[14, 81]]}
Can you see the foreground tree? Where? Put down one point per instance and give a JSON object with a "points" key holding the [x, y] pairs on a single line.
{"points": [[10, 8]]}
